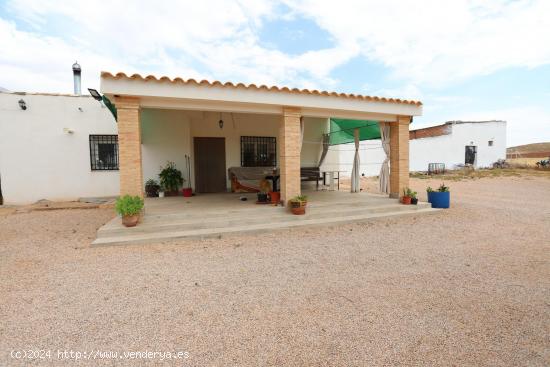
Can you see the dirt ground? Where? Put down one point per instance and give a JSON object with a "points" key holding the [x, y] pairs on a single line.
{"points": [[469, 286]]}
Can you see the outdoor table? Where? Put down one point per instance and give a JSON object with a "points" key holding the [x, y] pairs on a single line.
{"points": [[274, 179]]}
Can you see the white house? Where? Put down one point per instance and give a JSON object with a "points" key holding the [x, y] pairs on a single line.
{"points": [[65, 146], [454, 143], [46, 142], [69, 146]]}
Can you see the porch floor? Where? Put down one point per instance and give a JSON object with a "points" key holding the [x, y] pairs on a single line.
{"points": [[216, 215]]}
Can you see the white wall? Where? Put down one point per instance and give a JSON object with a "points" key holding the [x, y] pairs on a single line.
{"points": [[165, 136], [40, 161], [168, 135], [479, 134], [448, 149]]}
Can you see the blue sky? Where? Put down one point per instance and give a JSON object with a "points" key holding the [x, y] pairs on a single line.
{"points": [[463, 59]]}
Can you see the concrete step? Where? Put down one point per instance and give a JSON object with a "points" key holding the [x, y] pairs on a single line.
{"points": [[297, 221], [196, 211], [164, 224]]}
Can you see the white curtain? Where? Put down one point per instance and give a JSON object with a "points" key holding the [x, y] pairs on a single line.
{"points": [[384, 180], [355, 182], [325, 143]]}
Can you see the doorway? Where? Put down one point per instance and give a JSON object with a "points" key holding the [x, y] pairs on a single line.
{"points": [[210, 165], [470, 156]]}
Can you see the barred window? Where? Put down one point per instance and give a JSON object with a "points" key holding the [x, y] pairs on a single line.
{"points": [[258, 151], [104, 152]]}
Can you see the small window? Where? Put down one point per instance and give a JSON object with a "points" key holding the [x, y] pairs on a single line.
{"points": [[104, 152], [258, 151], [490, 142]]}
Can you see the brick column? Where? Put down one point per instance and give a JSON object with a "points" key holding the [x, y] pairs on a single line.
{"points": [[129, 146], [289, 153], [399, 155]]}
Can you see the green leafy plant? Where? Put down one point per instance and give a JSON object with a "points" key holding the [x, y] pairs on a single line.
{"points": [[299, 199], [413, 194], [170, 177], [129, 205], [407, 192], [429, 189], [443, 188], [152, 188]]}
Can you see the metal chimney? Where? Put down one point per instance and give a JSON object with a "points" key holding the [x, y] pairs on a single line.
{"points": [[76, 77]]}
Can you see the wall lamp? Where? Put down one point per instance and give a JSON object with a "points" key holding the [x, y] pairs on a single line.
{"points": [[95, 94], [22, 104], [221, 121]]}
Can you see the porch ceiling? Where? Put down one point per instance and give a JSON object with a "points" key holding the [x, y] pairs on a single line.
{"points": [[215, 96]]}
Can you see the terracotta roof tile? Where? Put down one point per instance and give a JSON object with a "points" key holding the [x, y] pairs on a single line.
{"points": [[106, 74]]}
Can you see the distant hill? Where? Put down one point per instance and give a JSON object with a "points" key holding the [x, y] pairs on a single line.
{"points": [[530, 148], [534, 150], [3, 90]]}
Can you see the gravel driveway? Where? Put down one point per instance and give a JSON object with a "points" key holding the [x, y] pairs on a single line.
{"points": [[469, 286]]}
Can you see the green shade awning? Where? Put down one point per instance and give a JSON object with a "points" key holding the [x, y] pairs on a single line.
{"points": [[110, 106], [341, 130]]}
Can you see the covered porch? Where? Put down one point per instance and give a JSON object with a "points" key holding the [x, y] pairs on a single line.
{"points": [[169, 119], [287, 107]]}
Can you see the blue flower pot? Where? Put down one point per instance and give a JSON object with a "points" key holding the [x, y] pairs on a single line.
{"points": [[440, 200]]}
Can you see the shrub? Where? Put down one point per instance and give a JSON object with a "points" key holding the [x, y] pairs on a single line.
{"points": [[170, 177], [152, 188], [129, 205], [429, 189]]}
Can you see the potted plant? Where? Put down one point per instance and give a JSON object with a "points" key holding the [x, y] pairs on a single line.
{"points": [[129, 208], [275, 197], [440, 198], [414, 198], [262, 197], [406, 199], [152, 188], [298, 205], [170, 179]]}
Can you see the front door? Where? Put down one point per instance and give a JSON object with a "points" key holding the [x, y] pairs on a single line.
{"points": [[210, 165], [470, 156]]}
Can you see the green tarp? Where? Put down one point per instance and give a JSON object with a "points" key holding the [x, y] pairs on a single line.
{"points": [[111, 106], [341, 130]]}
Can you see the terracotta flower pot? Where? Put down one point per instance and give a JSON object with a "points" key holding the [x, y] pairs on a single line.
{"points": [[301, 210], [275, 197], [406, 200], [130, 220], [298, 207]]}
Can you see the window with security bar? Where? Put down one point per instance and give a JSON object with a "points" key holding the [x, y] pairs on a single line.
{"points": [[104, 152], [258, 151]]}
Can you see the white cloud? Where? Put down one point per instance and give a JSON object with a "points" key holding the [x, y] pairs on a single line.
{"points": [[428, 43], [435, 42]]}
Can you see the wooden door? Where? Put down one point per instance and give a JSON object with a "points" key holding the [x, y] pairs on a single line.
{"points": [[210, 173]]}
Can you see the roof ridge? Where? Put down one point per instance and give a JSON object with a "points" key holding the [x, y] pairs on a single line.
{"points": [[177, 80]]}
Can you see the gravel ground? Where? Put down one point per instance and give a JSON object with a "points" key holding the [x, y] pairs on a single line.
{"points": [[469, 286]]}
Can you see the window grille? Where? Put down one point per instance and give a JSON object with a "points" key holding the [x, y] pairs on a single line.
{"points": [[104, 152], [258, 151]]}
